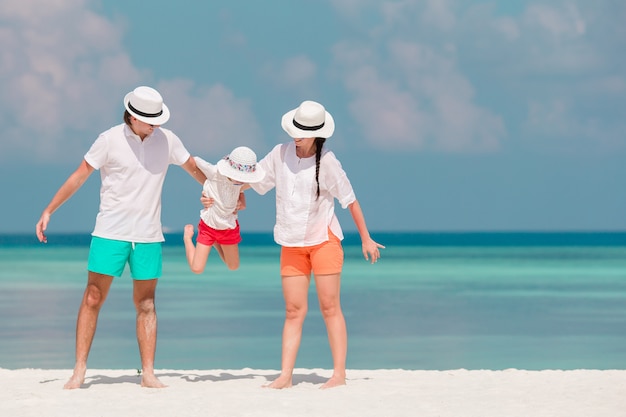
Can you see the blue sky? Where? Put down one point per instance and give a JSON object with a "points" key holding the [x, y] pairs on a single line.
{"points": [[451, 115]]}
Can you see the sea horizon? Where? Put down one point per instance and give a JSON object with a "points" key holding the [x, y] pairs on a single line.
{"points": [[419, 237]]}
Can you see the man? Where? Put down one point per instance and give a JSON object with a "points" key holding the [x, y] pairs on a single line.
{"points": [[133, 158]]}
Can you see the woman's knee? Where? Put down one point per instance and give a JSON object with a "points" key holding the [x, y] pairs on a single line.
{"points": [[295, 311], [330, 308]]}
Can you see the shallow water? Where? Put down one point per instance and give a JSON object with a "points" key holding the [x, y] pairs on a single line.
{"points": [[430, 303]]}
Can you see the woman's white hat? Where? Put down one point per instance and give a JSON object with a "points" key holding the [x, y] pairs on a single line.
{"points": [[309, 120], [146, 104], [241, 165]]}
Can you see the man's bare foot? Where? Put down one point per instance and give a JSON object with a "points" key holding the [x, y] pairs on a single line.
{"points": [[333, 382], [283, 381], [188, 232], [151, 381], [77, 379]]}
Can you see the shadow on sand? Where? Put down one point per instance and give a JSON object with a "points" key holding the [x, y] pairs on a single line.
{"points": [[311, 378]]}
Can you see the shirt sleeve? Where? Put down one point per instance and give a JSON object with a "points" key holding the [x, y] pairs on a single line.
{"points": [[336, 180], [178, 153], [269, 163], [97, 155], [209, 170]]}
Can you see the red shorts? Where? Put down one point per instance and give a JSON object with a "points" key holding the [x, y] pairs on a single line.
{"points": [[323, 259], [208, 235]]}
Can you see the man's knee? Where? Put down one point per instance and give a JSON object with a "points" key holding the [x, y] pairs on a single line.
{"points": [[145, 305], [94, 296]]}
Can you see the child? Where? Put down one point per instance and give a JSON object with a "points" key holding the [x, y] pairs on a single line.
{"points": [[218, 224]]}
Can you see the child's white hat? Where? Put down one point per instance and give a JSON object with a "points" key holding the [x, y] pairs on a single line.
{"points": [[241, 165]]}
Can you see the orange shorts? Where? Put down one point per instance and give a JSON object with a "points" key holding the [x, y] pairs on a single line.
{"points": [[323, 259]]}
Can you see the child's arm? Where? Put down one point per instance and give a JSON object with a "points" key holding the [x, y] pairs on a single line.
{"points": [[241, 203]]}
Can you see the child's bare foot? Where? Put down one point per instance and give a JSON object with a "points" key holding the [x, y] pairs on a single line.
{"points": [[188, 232], [77, 379], [283, 381]]}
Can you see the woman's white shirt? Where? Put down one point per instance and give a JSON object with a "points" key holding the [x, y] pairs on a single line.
{"points": [[303, 219]]}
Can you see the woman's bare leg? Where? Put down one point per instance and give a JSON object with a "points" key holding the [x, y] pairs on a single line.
{"points": [[328, 293], [295, 292]]}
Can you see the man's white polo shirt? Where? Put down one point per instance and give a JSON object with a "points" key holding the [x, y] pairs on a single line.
{"points": [[133, 172]]}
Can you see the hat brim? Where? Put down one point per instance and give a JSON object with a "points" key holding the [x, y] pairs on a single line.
{"points": [[325, 131], [226, 170], [159, 120]]}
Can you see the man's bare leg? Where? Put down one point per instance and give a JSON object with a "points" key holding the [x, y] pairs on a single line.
{"points": [[143, 296], [93, 298]]}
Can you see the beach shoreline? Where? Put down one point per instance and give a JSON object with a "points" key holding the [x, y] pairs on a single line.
{"points": [[392, 392]]}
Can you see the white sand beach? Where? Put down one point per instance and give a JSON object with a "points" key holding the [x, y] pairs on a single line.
{"points": [[584, 393]]}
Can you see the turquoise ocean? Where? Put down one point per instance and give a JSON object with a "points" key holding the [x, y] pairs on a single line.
{"points": [[434, 301]]}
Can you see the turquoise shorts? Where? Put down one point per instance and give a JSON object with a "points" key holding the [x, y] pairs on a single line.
{"points": [[109, 257]]}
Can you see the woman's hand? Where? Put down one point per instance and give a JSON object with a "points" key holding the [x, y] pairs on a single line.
{"points": [[371, 250]]}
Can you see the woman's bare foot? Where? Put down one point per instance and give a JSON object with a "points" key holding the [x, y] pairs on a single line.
{"points": [[283, 381], [188, 232], [151, 381], [333, 382], [77, 379]]}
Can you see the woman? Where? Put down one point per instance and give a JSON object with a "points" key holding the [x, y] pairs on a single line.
{"points": [[308, 178]]}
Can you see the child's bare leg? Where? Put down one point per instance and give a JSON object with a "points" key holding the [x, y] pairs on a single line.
{"points": [[220, 251], [190, 249], [229, 254], [196, 255]]}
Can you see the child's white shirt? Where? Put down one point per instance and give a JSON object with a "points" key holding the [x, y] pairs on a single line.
{"points": [[225, 193]]}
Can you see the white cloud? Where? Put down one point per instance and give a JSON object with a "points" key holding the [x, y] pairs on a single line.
{"points": [[574, 75], [411, 95], [387, 117], [297, 71], [294, 74], [64, 71], [438, 13], [564, 21], [508, 27], [455, 70], [209, 120], [63, 68]]}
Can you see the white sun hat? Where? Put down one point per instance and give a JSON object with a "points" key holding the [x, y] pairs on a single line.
{"points": [[146, 104], [240, 165], [309, 120]]}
